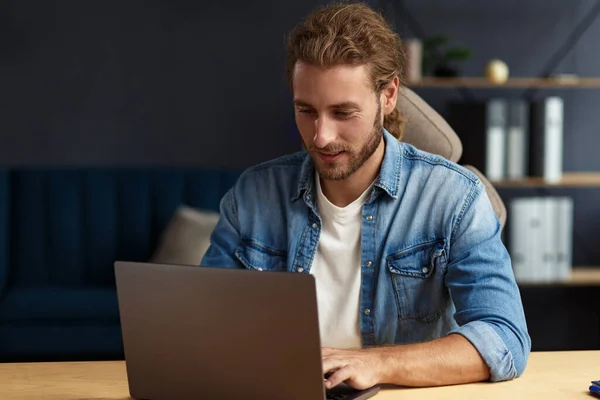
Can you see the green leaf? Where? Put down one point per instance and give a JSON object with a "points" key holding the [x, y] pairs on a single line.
{"points": [[435, 41], [458, 53]]}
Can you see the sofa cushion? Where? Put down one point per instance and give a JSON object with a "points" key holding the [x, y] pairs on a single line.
{"points": [[62, 229], [4, 227], [187, 237], [33, 304], [59, 341], [69, 225]]}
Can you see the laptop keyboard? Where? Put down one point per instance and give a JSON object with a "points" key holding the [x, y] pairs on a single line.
{"points": [[336, 396], [341, 392]]}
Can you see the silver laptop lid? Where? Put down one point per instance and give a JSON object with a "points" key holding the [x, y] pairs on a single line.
{"points": [[211, 333]]}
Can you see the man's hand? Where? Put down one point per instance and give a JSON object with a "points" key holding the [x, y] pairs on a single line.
{"points": [[360, 369], [446, 361]]}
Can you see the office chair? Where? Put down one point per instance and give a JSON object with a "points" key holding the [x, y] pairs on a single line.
{"points": [[427, 130]]}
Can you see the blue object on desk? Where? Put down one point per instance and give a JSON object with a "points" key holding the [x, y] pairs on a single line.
{"points": [[595, 389]]}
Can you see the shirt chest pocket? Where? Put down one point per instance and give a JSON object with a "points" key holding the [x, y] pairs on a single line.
{"points": [[258, 257], [417, 275]]}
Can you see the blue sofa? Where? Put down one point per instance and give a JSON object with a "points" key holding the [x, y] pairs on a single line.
{"points": [[61, 229]]}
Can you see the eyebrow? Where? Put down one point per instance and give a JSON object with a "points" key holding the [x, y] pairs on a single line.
{"points": [[345, 105]]}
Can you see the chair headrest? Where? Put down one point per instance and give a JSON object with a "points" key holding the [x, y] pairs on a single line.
{"points": [[425, 128]]}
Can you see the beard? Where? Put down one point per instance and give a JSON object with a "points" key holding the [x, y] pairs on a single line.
{"points": [[338, 171]]}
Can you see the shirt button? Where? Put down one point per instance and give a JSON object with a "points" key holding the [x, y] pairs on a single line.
{"points": [[369, 263], [300, 269], [425, 270], [314, 225], [367, 312], [369, 217], [308, 197]]}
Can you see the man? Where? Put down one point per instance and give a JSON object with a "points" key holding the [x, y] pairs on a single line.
{"points": [[414, 285]]}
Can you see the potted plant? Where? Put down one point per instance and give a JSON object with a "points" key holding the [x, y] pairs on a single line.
{"points": [[442, 61]]}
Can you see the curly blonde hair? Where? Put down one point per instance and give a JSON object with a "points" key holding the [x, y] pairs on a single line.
{"points": [[352, 34]]}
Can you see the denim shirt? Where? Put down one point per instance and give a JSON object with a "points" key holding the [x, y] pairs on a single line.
{"points": [[432, 258]]}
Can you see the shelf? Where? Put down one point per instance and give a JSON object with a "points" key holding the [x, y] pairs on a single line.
{"points": [[584, 276], [581, 276], [481, 82], [570, 179]]}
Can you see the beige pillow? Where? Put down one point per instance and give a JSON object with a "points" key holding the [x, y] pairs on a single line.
{"points": [[187, 237]]}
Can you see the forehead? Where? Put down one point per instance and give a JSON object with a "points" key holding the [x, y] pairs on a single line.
{"points": [[321, 86]]}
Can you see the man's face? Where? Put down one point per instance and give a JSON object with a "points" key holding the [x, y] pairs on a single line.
{"points": [[339, 117]]}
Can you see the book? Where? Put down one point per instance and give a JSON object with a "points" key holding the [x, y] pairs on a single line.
{"points": [[482, 128], [541, 232], [546, 139], [517, 149]]}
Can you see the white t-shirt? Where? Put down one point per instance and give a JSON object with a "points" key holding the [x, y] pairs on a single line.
{"points": [[337, 271]]}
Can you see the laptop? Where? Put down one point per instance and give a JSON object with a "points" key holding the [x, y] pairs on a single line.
{"points": [[194, 332]]}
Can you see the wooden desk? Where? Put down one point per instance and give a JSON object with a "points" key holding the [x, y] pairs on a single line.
{"points": [[553, 375]]}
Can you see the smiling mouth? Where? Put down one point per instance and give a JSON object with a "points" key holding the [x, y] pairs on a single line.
{"points": [[330, 157]]}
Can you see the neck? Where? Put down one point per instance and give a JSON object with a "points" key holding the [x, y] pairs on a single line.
{"points": [[341, 193]]}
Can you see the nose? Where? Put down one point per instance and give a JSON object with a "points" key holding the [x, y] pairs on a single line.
{"points": [[324, 132]]}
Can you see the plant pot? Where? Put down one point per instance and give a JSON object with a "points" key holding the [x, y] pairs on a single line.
{"points": [[445, 71]]}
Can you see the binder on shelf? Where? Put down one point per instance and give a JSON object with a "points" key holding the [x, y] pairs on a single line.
{"points": [[546, 139], [564, 245], [517, 157], [536, 226], [519, 245], [548, 242], [541, 232], [496, 132], [482, 127]]}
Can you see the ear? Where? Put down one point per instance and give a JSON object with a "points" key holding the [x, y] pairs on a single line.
{"points": [[389, 96]]}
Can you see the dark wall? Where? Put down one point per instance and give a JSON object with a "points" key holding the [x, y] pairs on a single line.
{"points": [[526, 34], [196, 83], [145, 82], [179, 82]]}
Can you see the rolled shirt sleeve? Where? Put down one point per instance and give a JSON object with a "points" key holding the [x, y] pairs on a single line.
{"points": [[489, 310]]}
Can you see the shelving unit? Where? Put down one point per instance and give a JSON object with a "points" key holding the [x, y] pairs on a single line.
{"points": [[585, 276], [570, 179], [523, 82], [581, 276], [560, 315]]}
